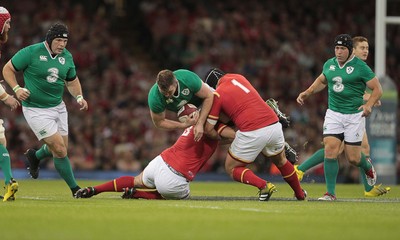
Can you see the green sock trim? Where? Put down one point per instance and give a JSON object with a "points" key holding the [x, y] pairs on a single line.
{"points": [[331, 170], [314, 160], [43, 152], [63, 167], [5, 163]]}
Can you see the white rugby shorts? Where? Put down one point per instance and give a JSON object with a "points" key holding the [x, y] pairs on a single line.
{"points": [[45, 122], [247, 145], [170, 185], [351, 125]]}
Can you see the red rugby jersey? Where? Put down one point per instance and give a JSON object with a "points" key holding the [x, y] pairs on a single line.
{"points": [[240, 101]]}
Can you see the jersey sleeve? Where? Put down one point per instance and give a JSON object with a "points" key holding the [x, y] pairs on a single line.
{"points": [[366, 72], [155, 103], [71, 74], [21, 59]]}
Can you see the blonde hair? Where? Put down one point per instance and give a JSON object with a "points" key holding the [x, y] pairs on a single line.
{"points": [[358, 39]]}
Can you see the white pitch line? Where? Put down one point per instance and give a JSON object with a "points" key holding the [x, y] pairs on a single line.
{"points": [[221, 208]]}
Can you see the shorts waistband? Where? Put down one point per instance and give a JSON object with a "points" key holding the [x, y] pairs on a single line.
{"points": [[174, 171]]}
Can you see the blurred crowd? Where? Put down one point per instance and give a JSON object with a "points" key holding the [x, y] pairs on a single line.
{"points": [[119, 46]]}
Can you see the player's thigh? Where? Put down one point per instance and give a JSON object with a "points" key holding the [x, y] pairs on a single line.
{"points": [[150, 171], [333, 123], [276, 142], [248, 145], [42, 121], [171, 185], [354, 128]]}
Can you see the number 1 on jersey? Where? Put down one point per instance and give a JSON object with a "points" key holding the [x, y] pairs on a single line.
{"points": [[236, 83]]}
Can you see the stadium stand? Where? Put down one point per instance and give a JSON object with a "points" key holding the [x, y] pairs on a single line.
{"points": [[119, 46]]}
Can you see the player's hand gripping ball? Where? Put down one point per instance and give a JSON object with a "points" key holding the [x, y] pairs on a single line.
{"points": [[187, 111]]}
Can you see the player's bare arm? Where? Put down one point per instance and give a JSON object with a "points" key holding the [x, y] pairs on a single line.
{"points": [[376, 94], [75, 89], [208, 97], [209, 129], [318, 85], [160, 121], [367, 95], [9, 76]]}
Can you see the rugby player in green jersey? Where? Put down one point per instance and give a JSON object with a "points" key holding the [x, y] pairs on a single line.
{"points": [[175, 89], [361, 50], [11, 186], [346, 77], [47, 68]]}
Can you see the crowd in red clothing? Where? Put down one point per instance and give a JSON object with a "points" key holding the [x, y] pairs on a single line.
{"points": [[279, 45]]}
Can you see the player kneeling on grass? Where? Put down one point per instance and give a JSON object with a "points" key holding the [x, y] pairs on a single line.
{"points": [[168, 175]]}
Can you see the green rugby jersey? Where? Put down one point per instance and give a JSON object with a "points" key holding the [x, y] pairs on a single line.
{"points": [[346, 84], [189, 83], [44, 75]]}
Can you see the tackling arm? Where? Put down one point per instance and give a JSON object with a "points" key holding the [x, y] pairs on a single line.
{"points": [[206, 94], [160, 121]]}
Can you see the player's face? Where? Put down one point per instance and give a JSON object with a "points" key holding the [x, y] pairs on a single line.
{"points": [[341, 53], [171, 90], [7, 26], [58, 45], [362, 50]]}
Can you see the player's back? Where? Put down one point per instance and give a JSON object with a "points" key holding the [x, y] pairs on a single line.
{"points": [[242, 103]]}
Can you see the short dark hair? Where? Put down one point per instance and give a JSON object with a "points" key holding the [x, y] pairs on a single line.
{"points": [[165, 78]]}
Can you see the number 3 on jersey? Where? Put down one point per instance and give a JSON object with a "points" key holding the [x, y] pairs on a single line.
{"points": [[53, 76]]}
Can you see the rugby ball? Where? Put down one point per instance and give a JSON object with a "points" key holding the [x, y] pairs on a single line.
{"points": [[187, 111]]}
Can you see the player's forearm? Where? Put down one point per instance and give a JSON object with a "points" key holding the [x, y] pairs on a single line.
{"points": [[376, 94], [205, 109], [317, 86], [74, 88], [169, 124]]}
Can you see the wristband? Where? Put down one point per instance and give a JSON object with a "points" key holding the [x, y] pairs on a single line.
{"points": [[5, 98], [16, 88], [79, 98]]}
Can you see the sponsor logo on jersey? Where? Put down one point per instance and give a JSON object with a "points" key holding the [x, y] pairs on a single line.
{"points": [[169, 100], [332, 68], [43, 58], [61, 60], [185, 91], [349, 70]]}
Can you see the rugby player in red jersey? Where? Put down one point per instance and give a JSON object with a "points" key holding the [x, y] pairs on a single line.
{"points": [[259, 131], [168, 175]]}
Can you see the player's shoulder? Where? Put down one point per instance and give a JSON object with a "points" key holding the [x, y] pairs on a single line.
{"points": [[33, 48], [184, 74], [153, 92]]}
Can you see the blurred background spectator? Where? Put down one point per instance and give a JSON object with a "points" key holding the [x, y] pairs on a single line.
{"points": [[119, 46]]}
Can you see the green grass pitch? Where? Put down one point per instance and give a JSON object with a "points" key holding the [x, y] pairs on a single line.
{"points": [[45, 209]]}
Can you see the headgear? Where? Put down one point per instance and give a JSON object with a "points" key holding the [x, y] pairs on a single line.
{"points": [[212, 77], [58, 30], [346, 41], [4, 16]]}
